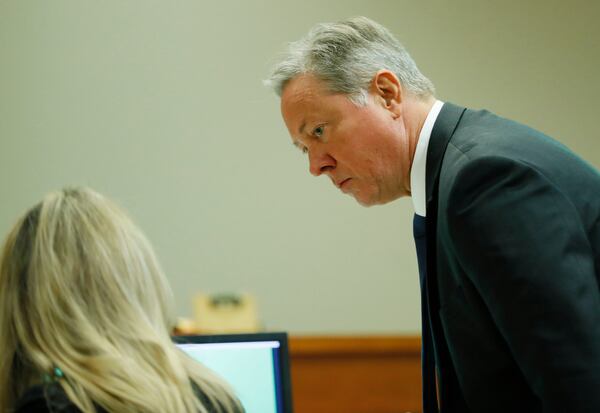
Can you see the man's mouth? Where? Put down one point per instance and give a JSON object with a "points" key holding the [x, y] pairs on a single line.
{"points": [[343, 183]]}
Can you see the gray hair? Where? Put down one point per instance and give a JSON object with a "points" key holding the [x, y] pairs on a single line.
{"points": [[346, 55]]}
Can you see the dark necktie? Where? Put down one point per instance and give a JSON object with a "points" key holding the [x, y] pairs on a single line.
{"points": [[430, 404]]}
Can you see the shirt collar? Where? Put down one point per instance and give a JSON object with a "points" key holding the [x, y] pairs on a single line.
{"points": [[417, 171]]}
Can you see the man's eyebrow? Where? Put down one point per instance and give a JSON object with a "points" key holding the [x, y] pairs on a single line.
{"points": [[297, 144]]}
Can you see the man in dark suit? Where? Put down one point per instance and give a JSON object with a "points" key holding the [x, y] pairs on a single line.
{"points": [[507, 220]]}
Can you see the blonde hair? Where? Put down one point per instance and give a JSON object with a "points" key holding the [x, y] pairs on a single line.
{"points": [[81, 290]]}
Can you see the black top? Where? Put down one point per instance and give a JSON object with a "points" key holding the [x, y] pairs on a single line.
{"points": [[51, 398]]}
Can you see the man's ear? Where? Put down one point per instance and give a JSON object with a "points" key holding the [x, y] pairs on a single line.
{"points": [[387, 89]]}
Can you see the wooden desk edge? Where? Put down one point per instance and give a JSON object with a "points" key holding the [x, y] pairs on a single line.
{"points": [[330, 346]]}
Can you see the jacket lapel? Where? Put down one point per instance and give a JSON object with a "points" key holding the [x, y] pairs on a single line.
{"points": [[443, 129]]}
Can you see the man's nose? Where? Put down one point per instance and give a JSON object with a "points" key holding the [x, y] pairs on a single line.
{"points": [[320, 162]]}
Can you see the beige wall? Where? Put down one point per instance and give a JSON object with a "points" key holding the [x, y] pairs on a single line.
{"points": [[160, 105]]}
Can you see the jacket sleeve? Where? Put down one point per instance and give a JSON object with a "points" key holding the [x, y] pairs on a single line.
{"points": [[522, 244]]}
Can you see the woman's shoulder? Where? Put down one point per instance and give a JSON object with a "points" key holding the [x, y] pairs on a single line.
{"points": [[45, 398], [51, 398]]}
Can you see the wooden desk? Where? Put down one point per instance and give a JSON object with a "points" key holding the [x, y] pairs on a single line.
{"points": [[367, 374]]}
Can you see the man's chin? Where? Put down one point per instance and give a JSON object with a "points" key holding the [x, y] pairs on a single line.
{"points": [[366, 201], [373, 200]]}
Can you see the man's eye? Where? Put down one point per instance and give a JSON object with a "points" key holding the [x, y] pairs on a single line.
{"points": [[304, 149], [318, 131]]}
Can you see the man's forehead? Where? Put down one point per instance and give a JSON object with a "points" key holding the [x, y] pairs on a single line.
{"points": [[300, 89], [296, 102]]}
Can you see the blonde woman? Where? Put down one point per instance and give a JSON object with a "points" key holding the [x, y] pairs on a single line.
{"points": [[85, 318]]}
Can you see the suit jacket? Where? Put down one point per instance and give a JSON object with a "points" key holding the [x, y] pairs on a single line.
{"points": [[513, 258]]}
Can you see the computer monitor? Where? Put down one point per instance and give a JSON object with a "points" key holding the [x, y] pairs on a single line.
{"points": [[255, 365]]}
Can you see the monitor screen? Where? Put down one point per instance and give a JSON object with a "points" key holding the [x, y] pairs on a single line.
{"points": [[255, 365]]}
